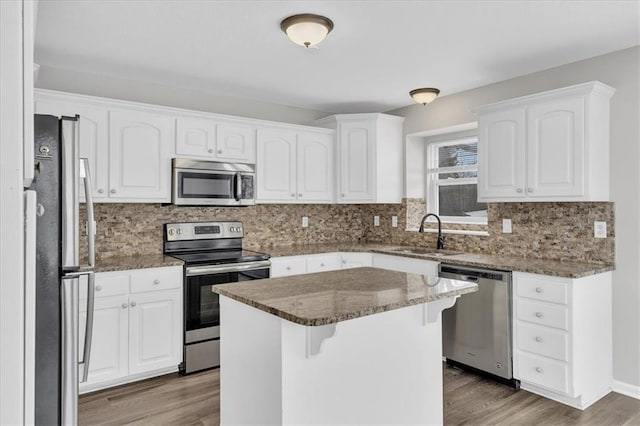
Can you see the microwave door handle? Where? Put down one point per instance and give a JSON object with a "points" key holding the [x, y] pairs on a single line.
{"points": [[238, 180]]}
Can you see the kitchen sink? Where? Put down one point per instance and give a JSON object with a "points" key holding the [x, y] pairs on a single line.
{"points": [[425, 251]]}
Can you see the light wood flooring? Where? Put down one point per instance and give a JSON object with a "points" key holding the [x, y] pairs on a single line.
{"points": [[469, 400]]}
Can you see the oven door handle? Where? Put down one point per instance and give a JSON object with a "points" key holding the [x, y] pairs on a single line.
{"points": [[238, 185], [193, 271]]}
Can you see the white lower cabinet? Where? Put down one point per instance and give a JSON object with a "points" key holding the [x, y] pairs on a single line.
{"points": [[356, 260], [405, 264], [137, 329], [562, 336], [294, 265]]}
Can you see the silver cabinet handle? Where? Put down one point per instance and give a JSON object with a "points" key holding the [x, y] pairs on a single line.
{"points": [[538, 339], [299, 195], [113, 191], [538, 370], [133, 304], [539, 314], [322, 265], [342, 195], [124, 306], [538, 289], [529, 189], [100, 191], [293, 195], [156, 282], [288, 268], [344, 262], [519, 190], [98, 287], [219, 151], [210, 151]]}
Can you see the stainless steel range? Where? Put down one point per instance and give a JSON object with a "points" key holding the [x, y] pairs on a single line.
{"points": [[213, 254]]}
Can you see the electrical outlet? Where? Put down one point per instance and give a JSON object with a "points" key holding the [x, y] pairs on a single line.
{"points": [[376, 221], [600, 229], [394, 221], [305, 222], [506, 226]]}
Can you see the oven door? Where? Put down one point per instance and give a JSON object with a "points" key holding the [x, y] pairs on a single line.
{"points": [[204, 187], [202, 307]]}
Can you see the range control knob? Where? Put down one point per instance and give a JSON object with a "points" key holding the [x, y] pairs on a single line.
{"points": [[178, 231], [171, 231]]}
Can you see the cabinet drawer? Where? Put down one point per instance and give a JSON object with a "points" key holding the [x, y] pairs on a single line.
{"points": [[156, 279], [323, 263], [542, 340], [107, 284], [282, 267], [542, 288], [545, 372], [543, 313]]}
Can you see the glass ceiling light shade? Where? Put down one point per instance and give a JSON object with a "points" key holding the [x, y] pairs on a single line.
{"points": [[306, 29], [424, 96]]}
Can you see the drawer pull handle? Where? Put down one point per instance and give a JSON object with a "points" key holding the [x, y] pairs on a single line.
{"points": [[322, 265], [539, 314], [538, 289], [538, 339], [133, 304], [124, 306], [288, 268], [538, 370], [98, 287], [156, 282]]}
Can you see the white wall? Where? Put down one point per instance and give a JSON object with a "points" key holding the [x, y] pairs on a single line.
{"points": [[152, 93], [620, 70], [11, 216]]}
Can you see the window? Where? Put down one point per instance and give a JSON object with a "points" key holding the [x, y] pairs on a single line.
{"points": [[452, 181]]}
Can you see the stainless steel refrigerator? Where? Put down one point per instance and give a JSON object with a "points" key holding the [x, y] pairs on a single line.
{"points": [[61, 355]]}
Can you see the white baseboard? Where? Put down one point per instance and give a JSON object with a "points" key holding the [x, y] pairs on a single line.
{"points": [[626, 389]]}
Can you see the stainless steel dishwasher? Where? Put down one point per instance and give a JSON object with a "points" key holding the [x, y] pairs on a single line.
{"points": [[477, 330]]}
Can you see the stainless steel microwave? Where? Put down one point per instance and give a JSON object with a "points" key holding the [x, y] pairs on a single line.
{"points": [[210, 183]]}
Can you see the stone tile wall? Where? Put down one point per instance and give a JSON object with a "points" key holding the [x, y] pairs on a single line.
{"points": [[562, 231]]}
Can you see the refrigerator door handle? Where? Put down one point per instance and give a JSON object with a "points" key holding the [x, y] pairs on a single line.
{"points": [[88, 330], [69, 338], [91, 223]]}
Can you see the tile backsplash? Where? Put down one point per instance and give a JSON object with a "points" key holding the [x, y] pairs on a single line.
{"points": [[561, 231]]}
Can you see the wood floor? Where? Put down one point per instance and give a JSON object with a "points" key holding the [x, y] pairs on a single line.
{"points": [[469, 400]]}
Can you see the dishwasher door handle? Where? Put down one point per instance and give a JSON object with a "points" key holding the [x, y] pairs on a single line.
{"points": [[469, 278]]}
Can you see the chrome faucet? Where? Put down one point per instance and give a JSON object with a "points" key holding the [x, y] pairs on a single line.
{"points": [[440, 243]]}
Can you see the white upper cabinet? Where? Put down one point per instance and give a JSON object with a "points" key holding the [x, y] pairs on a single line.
{"points": [[215, 140], [235, 143], [195, 137], [294, 167], [140, 155], [369, 157], [315, 167], [552, 146], [93, 143], [276, 165]]}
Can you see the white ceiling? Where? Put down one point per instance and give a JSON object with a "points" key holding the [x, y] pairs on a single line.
{"points": [[378, 51]]}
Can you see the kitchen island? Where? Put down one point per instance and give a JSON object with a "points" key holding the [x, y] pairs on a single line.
{"points": [[357, 346]]}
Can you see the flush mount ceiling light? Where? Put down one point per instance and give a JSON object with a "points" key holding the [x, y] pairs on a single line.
{"points": [[306, 29], [424, 95]]}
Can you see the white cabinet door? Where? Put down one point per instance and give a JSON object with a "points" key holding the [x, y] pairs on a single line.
{"points": [[315, 167], [323, 262], [109, 348], [93, 143], [276, 166], [155, 330], [357, 161], [140, 146], [236, 143], [195, 137], [501, 155], [288, 265], [356, 260], [405, 264], [556, 144]]}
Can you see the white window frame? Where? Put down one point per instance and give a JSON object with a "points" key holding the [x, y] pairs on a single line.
{"points": [[433, 183]]}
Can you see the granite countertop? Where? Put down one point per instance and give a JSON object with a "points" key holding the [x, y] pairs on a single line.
{"points": [[560, 268], [330, 297], [124, 263]]}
